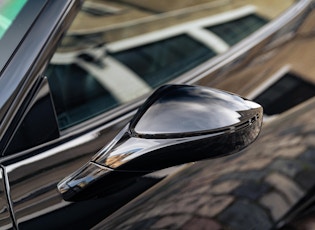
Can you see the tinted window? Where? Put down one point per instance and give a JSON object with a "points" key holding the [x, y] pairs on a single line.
{"points": [[8, 11], [116, 52], [39, 124], [159, 62], [16, 17], [77, 94], [234, 31]]}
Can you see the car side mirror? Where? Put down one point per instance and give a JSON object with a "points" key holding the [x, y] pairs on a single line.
{"points": [[177, 124]]}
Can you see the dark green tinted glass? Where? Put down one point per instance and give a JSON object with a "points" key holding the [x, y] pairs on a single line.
{"points": [[77, 95], [234, 31], [8, 11], [159, 62]]}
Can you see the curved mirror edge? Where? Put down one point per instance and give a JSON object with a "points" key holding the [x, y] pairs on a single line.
{"points": [[176, 109]]}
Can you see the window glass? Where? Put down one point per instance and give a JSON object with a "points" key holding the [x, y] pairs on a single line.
{"points": [[234, 31], [161, 61], [8, 11], [77, 94], [16, 17], [39, 124], [118, 51]]}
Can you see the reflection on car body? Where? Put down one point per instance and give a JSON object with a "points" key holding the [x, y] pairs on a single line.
{"points": [[268, 185]]}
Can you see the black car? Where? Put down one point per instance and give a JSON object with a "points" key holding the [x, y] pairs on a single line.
{"points": [[83, 145]]}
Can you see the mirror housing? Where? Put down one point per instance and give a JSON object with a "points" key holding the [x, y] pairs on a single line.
{"points": [[177, 124]]}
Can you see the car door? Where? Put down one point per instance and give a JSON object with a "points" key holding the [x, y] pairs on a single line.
{"points": [[32, 147], [25, 47], [5, 217], [47, 141], [43, 158]]}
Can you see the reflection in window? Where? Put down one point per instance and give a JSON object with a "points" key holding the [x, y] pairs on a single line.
{"points": [[285, 93], [39, 124], [77, 95], [159, 62], [234, 31], [80, 94]]}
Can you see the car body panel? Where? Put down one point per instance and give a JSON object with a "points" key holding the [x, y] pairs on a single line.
{"points": [[262, 183], [34, 177], [6, 220], [262, 187], [253, 189]]}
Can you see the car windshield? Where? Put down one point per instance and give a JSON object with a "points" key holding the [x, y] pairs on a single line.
{"points": [[9, 9], [118, 51], [16, 18]]}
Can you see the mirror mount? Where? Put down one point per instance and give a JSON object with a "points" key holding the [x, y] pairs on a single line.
{"points": [[178, 124]]}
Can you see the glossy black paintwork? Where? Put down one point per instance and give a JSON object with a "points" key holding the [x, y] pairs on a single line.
{"points": [[179, 111], [266, 185], [6, 220], [188, 199], [178, 124], [221, 192]]}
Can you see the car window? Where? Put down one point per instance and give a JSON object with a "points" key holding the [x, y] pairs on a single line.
{"points": [[159, 62], [16, 17], [35, 123], [234, 31], [8, 12], [118, 51]]}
